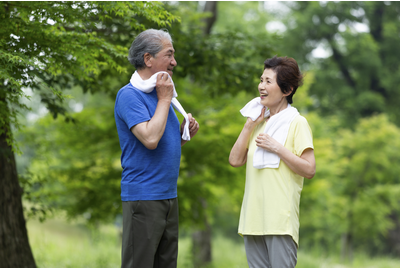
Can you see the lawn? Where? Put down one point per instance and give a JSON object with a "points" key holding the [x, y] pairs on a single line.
{"points": [[59, 244]]}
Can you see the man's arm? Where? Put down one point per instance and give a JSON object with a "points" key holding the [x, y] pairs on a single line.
{"points": [[150, 132]]}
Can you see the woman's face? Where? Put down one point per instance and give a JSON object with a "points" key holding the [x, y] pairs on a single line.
{"points": [[270, 93]]}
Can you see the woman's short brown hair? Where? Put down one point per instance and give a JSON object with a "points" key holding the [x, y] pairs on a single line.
{"points": [[288, 75]]}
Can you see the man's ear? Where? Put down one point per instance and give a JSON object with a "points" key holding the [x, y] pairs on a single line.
{"points": [[147, 59]]}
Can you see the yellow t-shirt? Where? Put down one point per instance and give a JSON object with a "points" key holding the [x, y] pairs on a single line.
{"points": [[272, 196]]}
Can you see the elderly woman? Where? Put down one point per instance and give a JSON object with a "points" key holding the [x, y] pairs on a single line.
{"points": [[276, 143]]}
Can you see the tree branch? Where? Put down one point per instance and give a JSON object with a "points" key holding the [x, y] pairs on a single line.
{"points": [[376, 25], [340, 61], [211, 6], [376, 21]]}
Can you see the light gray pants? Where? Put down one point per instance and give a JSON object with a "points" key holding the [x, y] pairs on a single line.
{"points": [[270, 251]]}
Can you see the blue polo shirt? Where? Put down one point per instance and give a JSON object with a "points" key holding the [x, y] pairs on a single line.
{"points": [[147, 174]]}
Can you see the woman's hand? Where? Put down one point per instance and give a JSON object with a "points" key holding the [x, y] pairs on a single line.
{"points": [[251, 124], [303, 165], [238, 155], [268, 143]]}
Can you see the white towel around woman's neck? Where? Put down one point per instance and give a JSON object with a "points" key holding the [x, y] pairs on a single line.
{"points": [[147, 86], [277, 127]]}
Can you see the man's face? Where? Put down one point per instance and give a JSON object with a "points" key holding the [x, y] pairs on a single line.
{"points": [[165, 59]]}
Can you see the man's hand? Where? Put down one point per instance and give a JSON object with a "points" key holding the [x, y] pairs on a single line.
{"points": [[193, 126], [164, 87]]}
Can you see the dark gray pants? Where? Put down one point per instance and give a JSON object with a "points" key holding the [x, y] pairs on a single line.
{"points": [[270, 251], [150, 234]]}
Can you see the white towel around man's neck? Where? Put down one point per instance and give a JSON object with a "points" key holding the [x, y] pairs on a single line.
{"points": [[277, 127], [147, 86]]}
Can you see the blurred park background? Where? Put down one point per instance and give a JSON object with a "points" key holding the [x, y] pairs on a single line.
{"points": [[62, 64]]}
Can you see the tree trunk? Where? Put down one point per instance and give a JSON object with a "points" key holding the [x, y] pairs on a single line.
{"points": [[346, 253], [15, 251], [201, 242], [201, 249], [211, 6], [393, 237]]}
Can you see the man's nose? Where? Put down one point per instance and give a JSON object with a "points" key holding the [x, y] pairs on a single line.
{"points": [[173, 62]]}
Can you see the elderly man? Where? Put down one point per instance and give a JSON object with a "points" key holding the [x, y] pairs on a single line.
{"points": [[151, 138]]}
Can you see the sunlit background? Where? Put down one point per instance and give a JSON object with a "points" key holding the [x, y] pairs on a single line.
{"points": [[69, 165]]}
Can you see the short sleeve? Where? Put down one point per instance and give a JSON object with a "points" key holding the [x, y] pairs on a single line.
{"points": [[131, 108], [302, 136]]}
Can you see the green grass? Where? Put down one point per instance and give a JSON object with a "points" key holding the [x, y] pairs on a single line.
{"points": [[313, 259], [58, 244]]}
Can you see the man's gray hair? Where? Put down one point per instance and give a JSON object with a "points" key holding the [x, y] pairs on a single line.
{"points": [[149, 41]]}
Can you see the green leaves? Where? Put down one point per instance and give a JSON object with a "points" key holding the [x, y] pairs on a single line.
{"points": [[46, 45], [356, 188], [359, 75], [76, 167], [53, 46]]}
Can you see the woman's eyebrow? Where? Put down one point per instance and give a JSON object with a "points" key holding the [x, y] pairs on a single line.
{"points": [[266, 78]]}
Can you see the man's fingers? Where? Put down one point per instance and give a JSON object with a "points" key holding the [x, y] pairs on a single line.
{"points": [[193, 126], [162, 77]]}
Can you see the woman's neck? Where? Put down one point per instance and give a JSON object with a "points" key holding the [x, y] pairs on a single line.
{"points": [[279, 107]]}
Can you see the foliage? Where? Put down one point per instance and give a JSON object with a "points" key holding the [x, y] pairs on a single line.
{"points": [[354, 194], [49, 46], [76, 166], [373, 191], [356, 188], [241, 16], [351, 202], [80, 181], [215, 75], [361, 74]]}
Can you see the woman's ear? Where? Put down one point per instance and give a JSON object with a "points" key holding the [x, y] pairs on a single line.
{"points": [[147, 59], [288, 93]]}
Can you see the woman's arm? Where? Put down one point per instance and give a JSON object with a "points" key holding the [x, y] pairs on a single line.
{"points": [[238, 155], [303, 165]]}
